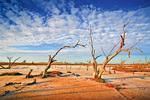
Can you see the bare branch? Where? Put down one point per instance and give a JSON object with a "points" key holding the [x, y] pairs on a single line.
{"points": [[146, 60], [9, 58], [122, 61], [92, 48], [89, 62], [129, 54], [80, 44], [103, 52], [136, 43], [137, 49], [94, 52], [2, 67], [122, 41], [53, 60], [123, 37], [68, 47], [15, 61], [49, 57], [127, 23], [124, 27], [91, 42], [98, 56], [113, 49], [126, 50], [139, 61], [132, 47]]}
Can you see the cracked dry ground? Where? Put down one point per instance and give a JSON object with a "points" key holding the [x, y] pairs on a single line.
{"points": [[133, 87]]}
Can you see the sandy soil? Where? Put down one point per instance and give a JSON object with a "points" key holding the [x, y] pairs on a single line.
{"points": [[132, 87]]}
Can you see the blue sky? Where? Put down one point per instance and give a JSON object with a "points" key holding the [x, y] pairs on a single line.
{"points": [[34, 29]]}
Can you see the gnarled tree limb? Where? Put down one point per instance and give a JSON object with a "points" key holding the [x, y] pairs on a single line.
{"points": [[51, 59]]}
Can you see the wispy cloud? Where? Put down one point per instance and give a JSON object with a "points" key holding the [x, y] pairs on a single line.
{"points": [[20, 26]]}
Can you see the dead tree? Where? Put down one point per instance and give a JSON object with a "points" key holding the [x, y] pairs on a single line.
{"points": [[51, 59], [121, 65], [94, 64], [10, 63], [108, 57], [147, 63]]}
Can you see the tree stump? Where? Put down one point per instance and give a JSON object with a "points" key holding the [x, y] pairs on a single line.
{"points": [[29, 74]]}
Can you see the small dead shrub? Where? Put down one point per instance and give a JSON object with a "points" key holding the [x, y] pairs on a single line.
{"points": [[11, 74], [100, 80], [69, 72]]}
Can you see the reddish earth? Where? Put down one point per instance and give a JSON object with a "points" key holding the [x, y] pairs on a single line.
{"points": [[119, 86]]}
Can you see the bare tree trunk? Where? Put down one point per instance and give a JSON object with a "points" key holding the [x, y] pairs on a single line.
{"points": [[29, 74], [100, 74], [148, 64], [95, 74], [87, 67], [45, 71], [94, 64]]}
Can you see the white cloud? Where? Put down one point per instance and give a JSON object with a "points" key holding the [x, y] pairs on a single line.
{"points": [[32, 28]]}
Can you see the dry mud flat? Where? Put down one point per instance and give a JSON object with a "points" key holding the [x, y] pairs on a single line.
{"points": [[132, 87]]}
